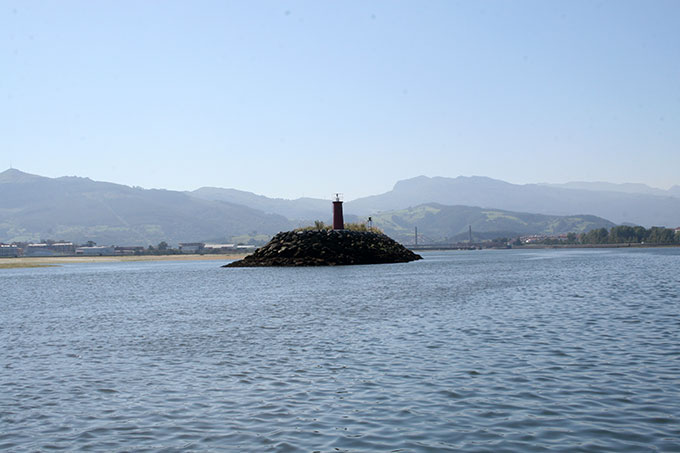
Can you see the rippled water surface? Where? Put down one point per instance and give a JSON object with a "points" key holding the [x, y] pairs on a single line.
{"points": [[566, 350]]}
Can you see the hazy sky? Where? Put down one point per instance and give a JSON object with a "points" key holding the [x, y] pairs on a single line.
{"points": [[306, 98]]}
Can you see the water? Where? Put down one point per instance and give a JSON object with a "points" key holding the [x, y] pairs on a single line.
{"points": [[564, 350]]}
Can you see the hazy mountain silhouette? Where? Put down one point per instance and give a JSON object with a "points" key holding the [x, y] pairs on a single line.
{"points": [[642, 209], [620, 203], [611, 187], [299, 209], [79, 209]]}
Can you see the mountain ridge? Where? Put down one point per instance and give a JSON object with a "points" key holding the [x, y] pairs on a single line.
{"points": [[615, 187], [304, 208], [80, 209], [637, 208]]}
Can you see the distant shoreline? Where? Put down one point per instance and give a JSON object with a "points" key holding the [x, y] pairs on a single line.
{"points": [[544, 246], [596, 246], [49, 261]]}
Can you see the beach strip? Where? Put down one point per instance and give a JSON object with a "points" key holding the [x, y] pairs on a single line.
{"points": [[46, 261]]}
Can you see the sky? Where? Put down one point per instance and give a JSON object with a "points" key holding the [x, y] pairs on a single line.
{"points": [[308, 98]]}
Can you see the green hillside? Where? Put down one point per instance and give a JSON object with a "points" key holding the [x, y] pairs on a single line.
{"points": [[438, 223], [79, 209]]}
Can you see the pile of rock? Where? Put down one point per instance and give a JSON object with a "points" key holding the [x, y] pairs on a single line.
{"points": [[327, 248]]}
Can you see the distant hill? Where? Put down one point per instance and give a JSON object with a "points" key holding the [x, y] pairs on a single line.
{"points": [[79, 209], [438, 223], [299, 209], [636, 208], [610, 187]]}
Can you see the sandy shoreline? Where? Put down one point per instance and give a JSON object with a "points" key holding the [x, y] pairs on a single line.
{"points": [[43, 261]]}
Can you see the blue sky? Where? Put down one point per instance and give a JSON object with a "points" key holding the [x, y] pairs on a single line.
{"points": [[307, 98]]}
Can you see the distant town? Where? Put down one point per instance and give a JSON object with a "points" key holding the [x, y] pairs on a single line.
{"points": [[617, 236], [61, 248]]}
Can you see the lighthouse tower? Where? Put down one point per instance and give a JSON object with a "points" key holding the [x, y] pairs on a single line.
{"points": [[338, 221]]}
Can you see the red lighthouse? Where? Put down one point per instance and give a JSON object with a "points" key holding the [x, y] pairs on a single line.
{"points": [[338, 221]]}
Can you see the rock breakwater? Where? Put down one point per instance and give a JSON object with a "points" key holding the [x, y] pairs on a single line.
{"points": [[327, 248]]}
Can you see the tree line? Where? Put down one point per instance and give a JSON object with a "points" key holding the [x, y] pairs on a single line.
{"points": [[624, 234], [632, 235]]}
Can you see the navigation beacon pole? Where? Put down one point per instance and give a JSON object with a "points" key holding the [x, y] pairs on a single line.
{"points": [[338, 221]]}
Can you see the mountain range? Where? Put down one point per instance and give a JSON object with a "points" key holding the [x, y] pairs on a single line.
{"points": [[625, 188], [301, 208], [619, 207], [620, 203], [79, 209]]}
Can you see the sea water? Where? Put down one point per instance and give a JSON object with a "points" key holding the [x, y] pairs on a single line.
{"points": [[545, 350]]}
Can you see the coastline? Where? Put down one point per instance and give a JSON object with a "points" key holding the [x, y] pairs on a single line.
{"points": [[595, 246], [50, 261], [544, 246]]}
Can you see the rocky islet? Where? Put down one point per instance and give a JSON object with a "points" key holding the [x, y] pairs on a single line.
{"points": [[327, 248]]}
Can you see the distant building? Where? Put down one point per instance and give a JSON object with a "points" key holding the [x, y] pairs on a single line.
{"points": [[53, 249], [220, 246], [97, 250], [9, 250], [135, 250], [216, 248], [38, 250], [191, 247], [64, 248]]}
